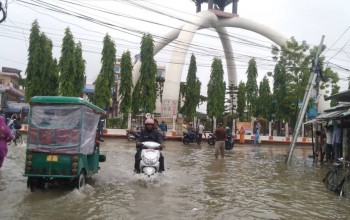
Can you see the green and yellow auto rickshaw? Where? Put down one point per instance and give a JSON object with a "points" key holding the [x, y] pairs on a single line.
{"points": [[63, 141]]}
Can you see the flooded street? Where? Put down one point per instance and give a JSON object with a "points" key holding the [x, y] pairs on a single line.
{"points": [[250, 183]]}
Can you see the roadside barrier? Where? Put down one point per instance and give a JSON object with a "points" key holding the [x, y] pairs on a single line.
{"points": [[174, 135]]}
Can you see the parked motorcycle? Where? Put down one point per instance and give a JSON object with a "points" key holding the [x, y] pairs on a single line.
{"points": [[190, 137], [132, 135], [211, 139], [229, 141], [150, 155]]}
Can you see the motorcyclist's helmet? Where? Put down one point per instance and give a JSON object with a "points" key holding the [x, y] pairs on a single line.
{"points": [[227, 128], [149, 121]]}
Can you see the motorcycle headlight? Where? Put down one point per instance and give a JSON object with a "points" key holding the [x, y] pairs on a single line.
{"points": [[150, 161]]}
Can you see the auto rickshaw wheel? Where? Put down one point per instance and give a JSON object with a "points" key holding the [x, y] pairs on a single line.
{"points": [[30, 183], [81, 181]]}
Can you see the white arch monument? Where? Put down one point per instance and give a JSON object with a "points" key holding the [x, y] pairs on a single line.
{"points": [[184, 35]]}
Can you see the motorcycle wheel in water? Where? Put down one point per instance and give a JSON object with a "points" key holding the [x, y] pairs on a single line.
{"points": [[185, 141], [229, 144]]}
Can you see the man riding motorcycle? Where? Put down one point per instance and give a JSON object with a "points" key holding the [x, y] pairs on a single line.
{"points": [[150, 133]]}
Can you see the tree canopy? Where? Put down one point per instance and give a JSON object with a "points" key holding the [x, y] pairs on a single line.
{"points": [[105, 80], [145, 92], [67, 65], [192, 90], [42, 70], [126, 85], [251, 88], [216, 90]]}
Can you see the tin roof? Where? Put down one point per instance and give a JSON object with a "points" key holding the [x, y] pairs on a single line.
{"points": [[341, 96]]}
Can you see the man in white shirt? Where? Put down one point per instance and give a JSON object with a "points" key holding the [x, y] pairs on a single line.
{"points": [[200, 132], [337, 142]]}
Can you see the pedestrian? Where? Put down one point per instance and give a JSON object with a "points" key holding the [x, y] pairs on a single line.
{"points": [[241, 135], [164, 129], [220, 135], [329, 148], [257, 137], [337, 142], [200, 132], [11, 124], [5, 136]]}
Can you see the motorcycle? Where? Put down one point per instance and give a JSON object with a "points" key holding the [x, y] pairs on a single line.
{"points": [[211, 139], [132, 135], [189, 138], [150, 155], [229, 142]]}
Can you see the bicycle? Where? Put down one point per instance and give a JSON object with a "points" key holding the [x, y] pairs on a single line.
{"points": [[331, 180], [345, 183], [18, 139]]}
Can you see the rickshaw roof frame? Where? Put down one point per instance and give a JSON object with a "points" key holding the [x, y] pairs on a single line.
{"points": [[65, 100]]}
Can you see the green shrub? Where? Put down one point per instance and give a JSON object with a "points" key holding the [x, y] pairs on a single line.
{"points": [[116, 123]]}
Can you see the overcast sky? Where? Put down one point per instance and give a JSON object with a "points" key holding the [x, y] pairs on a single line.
{"points": [[127, 20]]}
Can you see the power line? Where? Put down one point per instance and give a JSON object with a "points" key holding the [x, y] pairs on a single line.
{"points": [[338, 38]]}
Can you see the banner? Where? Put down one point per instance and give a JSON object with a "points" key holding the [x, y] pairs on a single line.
{"points": [[247, 127]]}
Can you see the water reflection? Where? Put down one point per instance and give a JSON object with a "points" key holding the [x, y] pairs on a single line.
{"points": [[250, 183]]}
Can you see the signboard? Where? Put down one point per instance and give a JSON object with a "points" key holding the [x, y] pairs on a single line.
{"points": [[246, 125]]}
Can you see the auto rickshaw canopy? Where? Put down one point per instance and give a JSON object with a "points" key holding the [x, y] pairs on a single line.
{"points": [[60, 124]]}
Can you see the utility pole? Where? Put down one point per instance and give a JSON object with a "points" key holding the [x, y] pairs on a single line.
{"points": [[306, 99]]}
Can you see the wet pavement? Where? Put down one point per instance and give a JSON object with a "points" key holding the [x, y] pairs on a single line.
{"points": [[250, 183]]}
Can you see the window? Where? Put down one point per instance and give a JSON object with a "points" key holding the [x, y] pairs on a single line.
{"points": [[160, 73], [116, 69]]}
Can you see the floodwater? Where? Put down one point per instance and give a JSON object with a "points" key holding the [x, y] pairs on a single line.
{"points": [[250, 183]]}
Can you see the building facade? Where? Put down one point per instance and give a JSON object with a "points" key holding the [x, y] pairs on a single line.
{"points": [[10, 91]]}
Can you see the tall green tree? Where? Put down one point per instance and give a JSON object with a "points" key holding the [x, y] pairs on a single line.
{"points": [[264, 101], [49, 68], [80, 70], [216, 90], [126, 86], [192, 90], [281, 98], [241, 101], [231, 92], [294, 61], [105, 80], [252, 88], [41, 65], [67, 65], [32, 71], [145, 92]]}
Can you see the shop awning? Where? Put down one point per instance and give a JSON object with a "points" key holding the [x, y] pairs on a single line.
{"points": [[329, 116]]}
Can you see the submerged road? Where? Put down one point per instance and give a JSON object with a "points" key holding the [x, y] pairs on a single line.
{"points": [[250, 183]]}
